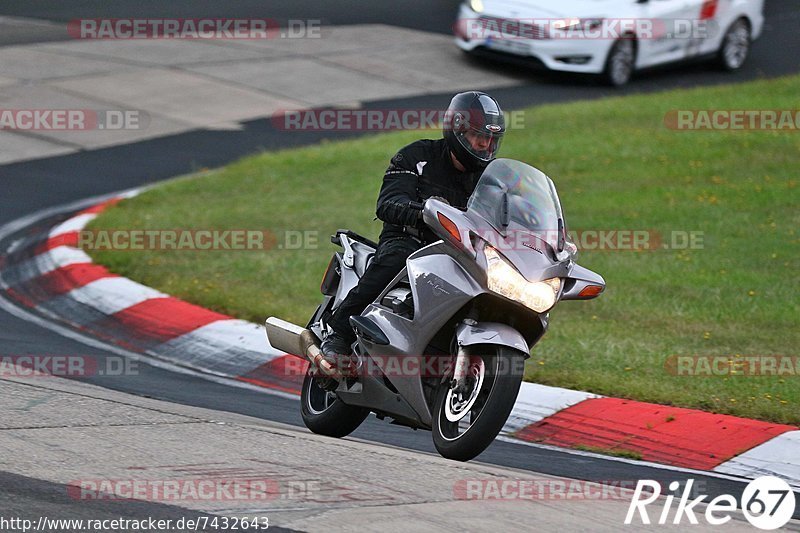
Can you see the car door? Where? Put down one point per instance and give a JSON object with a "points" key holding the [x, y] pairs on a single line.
{"points": [[674, 31], [708, 26]]}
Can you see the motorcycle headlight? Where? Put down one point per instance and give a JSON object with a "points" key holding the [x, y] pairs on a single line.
{"points": [[506, 281], [476, 5]]}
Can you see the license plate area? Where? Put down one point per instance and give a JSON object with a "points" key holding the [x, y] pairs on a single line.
{"points": [[509, 45]]}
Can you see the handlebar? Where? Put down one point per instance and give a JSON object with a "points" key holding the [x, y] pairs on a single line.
{"points": [[355, 236]]}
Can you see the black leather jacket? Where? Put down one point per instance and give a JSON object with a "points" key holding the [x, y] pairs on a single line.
{"points": [[417, 172]]}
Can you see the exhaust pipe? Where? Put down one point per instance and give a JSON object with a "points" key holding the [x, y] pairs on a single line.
{"points": [[294, 340]]}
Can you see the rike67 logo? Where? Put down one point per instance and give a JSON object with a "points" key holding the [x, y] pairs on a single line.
{"points": [[767, 503]]}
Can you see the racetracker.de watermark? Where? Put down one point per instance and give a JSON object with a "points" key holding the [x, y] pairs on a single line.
{"points": [[149, 524], [69, 366], [375, 119], [73, 119], [549, 489], [194, 28], [614, 240], [169, 490], [610, 29], [732, 365], [786, 120], [160, 239], [217, 489], [204, 240], [402, 366]]}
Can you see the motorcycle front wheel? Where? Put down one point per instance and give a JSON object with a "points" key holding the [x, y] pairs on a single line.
{"points": [[466, 422]]}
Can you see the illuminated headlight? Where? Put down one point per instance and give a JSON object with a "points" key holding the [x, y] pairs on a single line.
{"points": [[476, 5], [506, 281]]}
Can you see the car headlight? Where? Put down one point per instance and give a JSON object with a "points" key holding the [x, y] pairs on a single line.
{"points": [[506, 281], [476, 5]]}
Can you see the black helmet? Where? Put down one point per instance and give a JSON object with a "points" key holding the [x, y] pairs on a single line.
{"points": [[473, 127]]}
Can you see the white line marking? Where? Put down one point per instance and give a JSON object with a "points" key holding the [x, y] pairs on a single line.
{"points": [[772, 458], [73, 224], [149, 358], [226, 347], [49, 261], [536, 402], [112, 295]]}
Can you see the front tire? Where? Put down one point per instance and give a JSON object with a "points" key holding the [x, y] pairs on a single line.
{"points": [[735, 47], [621, 63], [325, 414], [465, 424]]}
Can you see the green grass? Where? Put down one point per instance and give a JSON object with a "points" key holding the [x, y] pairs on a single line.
{"points": [[614, 452], [616, 167]]}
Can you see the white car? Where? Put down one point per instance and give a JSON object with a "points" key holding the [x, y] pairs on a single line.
{"points": [[612, 37]]}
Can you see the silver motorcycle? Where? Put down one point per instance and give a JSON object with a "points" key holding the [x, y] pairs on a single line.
{"points": [[443, 347]]}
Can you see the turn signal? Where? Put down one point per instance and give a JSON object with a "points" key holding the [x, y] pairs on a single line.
{"points": [[590, 291], [450, 226]]}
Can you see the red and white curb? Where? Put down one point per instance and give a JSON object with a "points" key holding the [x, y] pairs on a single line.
{"points": [[47, 273]]}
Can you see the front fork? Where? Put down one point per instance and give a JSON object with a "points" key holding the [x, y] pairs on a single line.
{"points": [[459, 381], [461, 367]]}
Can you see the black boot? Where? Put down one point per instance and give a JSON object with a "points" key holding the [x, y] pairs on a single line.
{"points": [[336, 350], [335, 344]]}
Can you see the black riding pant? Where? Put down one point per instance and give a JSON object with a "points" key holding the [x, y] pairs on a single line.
{"points": [[388, 261]]}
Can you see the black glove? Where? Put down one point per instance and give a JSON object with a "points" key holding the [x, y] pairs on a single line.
{"points": [[443, 200]]}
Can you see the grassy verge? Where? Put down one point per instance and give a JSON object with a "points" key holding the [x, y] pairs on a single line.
{"points": [[617, 167], [613, 452]]}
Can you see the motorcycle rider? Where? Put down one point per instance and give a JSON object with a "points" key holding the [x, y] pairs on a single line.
{"points": [[447, 169]]}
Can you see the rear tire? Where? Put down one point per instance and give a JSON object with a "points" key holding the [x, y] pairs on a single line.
{"points": [[497, 391], [735, 48], [325, 414]]}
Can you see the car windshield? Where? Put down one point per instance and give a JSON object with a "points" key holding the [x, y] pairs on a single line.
{"points": [[512, 196]]}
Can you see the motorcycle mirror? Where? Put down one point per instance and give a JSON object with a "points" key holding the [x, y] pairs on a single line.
{"points": [[561, 240], [582, 284]]}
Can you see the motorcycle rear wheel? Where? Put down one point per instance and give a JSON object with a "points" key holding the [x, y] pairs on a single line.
{"points": [[325, 414], [465, 424]]}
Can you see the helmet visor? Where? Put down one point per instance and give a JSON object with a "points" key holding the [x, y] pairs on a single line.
{"points": [[482, 144]]}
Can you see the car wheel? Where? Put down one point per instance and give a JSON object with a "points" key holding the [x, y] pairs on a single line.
{"points": [[735, 46], [621, 63]]}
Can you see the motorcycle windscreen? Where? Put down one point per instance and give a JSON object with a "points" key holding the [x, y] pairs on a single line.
{"points": [[512, 196]]}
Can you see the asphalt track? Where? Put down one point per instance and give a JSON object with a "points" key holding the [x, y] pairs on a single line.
{"points": [[31, 186]]}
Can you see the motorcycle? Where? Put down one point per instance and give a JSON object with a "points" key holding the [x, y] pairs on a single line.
{"points": [[443, 347]]}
